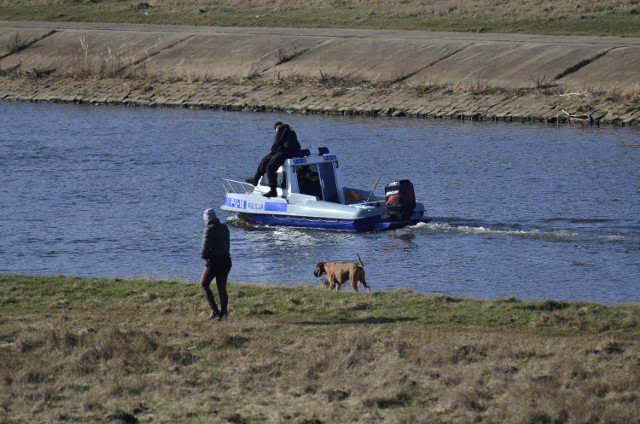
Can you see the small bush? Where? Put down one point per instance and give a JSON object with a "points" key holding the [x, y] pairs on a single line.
{"points": [[479, 87], [16, 44]]}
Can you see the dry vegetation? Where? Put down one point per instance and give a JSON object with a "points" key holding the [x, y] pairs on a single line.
{"points": [[609, 17], [612, 17], [93, 64], [108, 350]]}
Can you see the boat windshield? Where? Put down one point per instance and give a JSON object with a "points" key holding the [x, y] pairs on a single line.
{"points": [[328, 181], [318, 179]]}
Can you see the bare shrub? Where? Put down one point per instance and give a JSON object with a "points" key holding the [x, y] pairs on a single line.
{"points": [[255, 70], [293, 80], [16, 44], [545, 85], [285, 55], [479, 87], [451, 88], [425, 87], [41, 67], [381, 87], [337, 78]]}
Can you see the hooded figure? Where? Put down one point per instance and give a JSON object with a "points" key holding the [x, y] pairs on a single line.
{"points": [[215, 250]]}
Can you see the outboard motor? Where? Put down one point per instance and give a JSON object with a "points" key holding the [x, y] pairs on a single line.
{"points": [[400, 199]]}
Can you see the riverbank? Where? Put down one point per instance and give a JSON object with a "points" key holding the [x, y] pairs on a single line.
{"points": [[86, 349], [510, 77]]}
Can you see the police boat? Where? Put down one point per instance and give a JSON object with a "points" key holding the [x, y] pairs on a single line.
{"points": [[311, 194]]}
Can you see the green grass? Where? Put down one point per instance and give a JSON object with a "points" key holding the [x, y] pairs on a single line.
{"points": [[91, 349], [319, 306], [573, 17]]}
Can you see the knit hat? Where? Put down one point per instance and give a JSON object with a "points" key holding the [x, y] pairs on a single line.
{"points": [[209, 214]]}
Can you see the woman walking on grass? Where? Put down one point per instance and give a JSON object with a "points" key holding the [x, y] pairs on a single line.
{"points": [[215, 250]]}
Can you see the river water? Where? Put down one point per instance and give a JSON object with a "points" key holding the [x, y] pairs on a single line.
{"points": [[531, 211]]}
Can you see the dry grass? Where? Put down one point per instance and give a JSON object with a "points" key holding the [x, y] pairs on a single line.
{"points": [[94, 350], [633, 95], [90, 65], [479, 87], [613, 17], [630, 96], [546, 85], [41, 69], [610, 17]]}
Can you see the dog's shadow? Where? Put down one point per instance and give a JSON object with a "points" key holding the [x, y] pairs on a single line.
{"points": [[363, 321]]}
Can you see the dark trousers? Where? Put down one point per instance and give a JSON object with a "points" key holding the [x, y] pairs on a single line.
{"points": [[217, 268], [269, 165]]}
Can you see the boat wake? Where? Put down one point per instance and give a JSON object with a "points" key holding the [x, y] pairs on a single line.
{"points": [[558, 235], [275, 234], [584, 233]]}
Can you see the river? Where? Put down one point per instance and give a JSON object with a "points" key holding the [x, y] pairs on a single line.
{"points": [[531, 211]]}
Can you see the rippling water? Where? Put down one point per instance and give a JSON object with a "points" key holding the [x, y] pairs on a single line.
{"points": [[519, 210]]}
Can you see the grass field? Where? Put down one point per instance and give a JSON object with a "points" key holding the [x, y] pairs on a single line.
{"points": [[571, 17], [112, 350]]}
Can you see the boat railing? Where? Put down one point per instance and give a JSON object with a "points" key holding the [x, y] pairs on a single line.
{"points": [[233, 186]]}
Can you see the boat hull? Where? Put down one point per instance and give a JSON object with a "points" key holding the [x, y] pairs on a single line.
{"points": [[360, 225], [365, 224], [315, 214]]}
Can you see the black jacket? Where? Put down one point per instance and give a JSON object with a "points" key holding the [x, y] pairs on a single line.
{"points": [[285, 141], [215, 240]]}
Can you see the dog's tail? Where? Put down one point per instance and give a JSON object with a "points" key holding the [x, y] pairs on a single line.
{"points": [[360, 259]]}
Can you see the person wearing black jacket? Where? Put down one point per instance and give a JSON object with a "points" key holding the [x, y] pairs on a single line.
{"points": [[215, 250], [285, 146]]}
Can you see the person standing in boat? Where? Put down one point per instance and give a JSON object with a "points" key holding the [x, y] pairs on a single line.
{"points": [[285, 146], [215, 250]]}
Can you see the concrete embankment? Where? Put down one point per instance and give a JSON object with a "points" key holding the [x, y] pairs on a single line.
{"points": [[399, 73]]}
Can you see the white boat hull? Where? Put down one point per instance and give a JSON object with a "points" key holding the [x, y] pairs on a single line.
{"points": [[307, 212]]}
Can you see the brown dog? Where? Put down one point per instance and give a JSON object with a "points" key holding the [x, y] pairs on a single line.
{"points": [[339, 272]]}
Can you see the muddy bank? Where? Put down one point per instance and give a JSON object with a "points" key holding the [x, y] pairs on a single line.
{"points": [[593, 80]]}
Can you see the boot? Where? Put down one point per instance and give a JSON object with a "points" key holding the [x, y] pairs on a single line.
{"points": [[215, 316], [272, 193]]}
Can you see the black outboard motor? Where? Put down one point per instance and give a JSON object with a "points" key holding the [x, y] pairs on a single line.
{"points": [[400, 199]]}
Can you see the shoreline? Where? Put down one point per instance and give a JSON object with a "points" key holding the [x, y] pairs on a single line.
{"points": [[490, 77], [580, 108]]}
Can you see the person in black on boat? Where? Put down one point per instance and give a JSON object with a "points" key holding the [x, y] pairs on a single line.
{"points": [[285, 146]]}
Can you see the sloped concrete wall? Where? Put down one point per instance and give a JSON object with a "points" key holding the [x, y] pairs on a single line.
{"points": [[397, 72]]}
